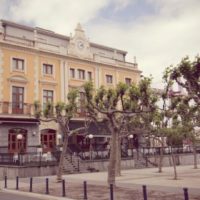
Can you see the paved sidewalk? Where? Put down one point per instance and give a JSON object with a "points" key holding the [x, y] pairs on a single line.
{"points": [[27, 195], [131, 180]]}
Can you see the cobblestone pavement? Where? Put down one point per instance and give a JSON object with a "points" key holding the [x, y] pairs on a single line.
{"points": [[128, 186]]}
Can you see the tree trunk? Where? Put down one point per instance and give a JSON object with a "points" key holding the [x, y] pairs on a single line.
{"points": [[112, 160], [174, 165], [61, 162], [118, 155], [160, 159], [195, 156]]}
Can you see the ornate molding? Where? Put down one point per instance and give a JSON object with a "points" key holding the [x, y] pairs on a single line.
{"points": [[18, 79], [79, 45], [45, 82]]}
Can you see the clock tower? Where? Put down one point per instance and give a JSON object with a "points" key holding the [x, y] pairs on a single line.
{"points": [[79, 45]]}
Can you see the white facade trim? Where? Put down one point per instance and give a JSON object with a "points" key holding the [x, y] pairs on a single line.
{"points": [[62, 81], [36, 78], [48, 75], [66, 80], [1, 75], [25, 64]]}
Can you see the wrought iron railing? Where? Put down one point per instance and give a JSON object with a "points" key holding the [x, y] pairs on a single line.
{"points": [[30, 159], [16, 108]]}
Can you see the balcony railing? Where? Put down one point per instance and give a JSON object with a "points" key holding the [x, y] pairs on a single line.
{"points": [[14, 108], [30, 159]]}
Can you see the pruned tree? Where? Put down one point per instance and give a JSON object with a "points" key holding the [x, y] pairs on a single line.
{"points": [[187, 76], [62, 113], [117, 106]]}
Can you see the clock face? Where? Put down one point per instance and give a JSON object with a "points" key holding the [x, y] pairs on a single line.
{"points": [[80, 45]]}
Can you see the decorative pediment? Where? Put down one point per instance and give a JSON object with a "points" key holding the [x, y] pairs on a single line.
{"points": [[79, 44], [18, 79], [46, 82]]}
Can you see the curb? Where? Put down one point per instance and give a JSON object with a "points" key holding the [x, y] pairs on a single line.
{"points": [[36, 195]]}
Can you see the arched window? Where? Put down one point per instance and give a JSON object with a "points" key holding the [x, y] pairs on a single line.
{"points": [[48, 140], [17, 140]]}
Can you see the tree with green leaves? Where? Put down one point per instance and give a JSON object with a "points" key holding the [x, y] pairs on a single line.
{"points": [[117, 107], [187, 76], [64, 112]]}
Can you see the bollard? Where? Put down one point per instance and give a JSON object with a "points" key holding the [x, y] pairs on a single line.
{"points": [[5, 179], [31, 185], [144, 192], [78, 166], [186, 196], [111, 192], [63, 188], [85, 190], [17, 183], [47, 186]]}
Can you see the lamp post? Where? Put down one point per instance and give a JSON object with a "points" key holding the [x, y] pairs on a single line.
{"points": [[59, 137], [90, 136], [130, 137], [19, 139], [19, 142]]}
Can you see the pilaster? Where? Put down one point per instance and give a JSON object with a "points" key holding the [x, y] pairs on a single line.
{"points": [[62, 80], [36, 78], [96, 77], [1, 75], [66, 80]]}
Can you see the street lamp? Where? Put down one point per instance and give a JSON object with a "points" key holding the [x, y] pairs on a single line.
{"points": [[90, 136], [19, 139], [130, 137], [19, 136], [59, 137]]}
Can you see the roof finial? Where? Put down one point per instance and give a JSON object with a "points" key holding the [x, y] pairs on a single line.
{"points": [[79, 27], [135, 60]]}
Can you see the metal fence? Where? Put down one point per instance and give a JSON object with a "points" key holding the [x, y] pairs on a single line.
{"points": [[30, 159]]}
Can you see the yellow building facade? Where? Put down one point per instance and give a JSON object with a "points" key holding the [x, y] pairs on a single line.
{"points": [[40, 65]]}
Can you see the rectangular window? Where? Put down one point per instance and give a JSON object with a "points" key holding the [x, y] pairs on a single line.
{"points": [[81, 74], [47, 97], [128, 81], [109, 79], [89, 76], [72, 73], [18, 64], [17, 100], [47, 69]]}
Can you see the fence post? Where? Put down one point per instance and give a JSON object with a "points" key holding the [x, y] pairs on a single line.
{"points": [[5, 181], [47, 186], [63, 188], [17, 183], [186, 196], [85, 190], [78, 166], [144, 192], [31, 185], [111, 192]]}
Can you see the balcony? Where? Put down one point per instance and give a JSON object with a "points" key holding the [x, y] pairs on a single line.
{"points": [[7, 108], [113, 61], [25, 109]]}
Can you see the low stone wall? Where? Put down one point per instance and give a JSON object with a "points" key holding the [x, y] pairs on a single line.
{"points": [[21, 171], [102, 165], [181, 159]]}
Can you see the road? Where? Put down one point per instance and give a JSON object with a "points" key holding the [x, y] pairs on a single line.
{"points": [[7, 196]]}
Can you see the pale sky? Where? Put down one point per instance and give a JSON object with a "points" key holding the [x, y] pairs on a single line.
{"points": [[158, 32]]}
